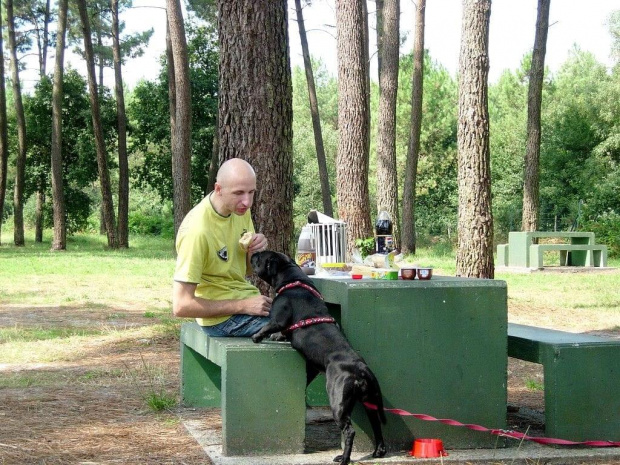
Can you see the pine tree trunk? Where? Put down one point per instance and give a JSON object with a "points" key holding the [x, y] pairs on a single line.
{"points": [[4, 146], [408, 241], [181, 137], [38, 215], [107, 204], [123, 164], [255, 108], [59, 241], [387, 181], [215, 158], [314, 112], [529, 220], [353, 121], [20, 164], [475, 219]]}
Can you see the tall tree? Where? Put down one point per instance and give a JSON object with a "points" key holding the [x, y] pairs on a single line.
{"points": [[531, 174], [18, 193], [387, 180], [4, 147], [59, 242], [121, 117], [353, 120], [107, 204], [38, 16], [255, 108], [314, 112], [475, 219], [181, 138], [408, 240]]}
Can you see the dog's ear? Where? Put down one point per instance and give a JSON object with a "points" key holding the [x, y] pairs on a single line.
{"points": [[272, 266]]}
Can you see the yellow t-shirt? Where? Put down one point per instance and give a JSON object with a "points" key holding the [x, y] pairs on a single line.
{"points": [[208, 254]]}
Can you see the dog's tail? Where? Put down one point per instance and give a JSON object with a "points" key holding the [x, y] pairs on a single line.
{"points": [[371, 392]]}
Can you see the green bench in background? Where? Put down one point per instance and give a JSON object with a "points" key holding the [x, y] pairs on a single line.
{"points": [[260, 388], [579, 249], [581, 379]]}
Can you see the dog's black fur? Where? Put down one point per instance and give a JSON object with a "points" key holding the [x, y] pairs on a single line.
{"points": [[324, 347]]}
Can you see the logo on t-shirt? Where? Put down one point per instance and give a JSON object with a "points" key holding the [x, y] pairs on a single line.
{"points": [[223, 253]]}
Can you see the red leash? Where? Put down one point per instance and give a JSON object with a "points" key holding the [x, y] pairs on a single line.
{"points": [[499, 432]]}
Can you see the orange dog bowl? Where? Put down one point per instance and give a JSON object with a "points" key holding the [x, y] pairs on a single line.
{"points": [[426, 448]]}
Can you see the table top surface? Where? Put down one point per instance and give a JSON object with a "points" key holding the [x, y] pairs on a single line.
{"points": [[435, 281], [552, 233]]}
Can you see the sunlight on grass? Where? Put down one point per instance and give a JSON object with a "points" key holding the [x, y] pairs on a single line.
{"points": [[88, 274], [75, 347], [16, 334]]}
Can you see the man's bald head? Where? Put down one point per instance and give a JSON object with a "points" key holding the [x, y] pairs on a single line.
{"points": [[234, 169]]}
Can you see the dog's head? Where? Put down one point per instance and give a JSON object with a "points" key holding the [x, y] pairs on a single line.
{"points": [[274, 267]]}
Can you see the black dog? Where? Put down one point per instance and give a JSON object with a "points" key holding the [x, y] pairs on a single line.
{"points": [[298, 311]]}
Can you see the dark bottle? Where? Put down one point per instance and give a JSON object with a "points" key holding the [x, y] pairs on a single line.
{"points": [[383, 232]]}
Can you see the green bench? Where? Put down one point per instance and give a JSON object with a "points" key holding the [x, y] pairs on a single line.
{"points": [[524, 249], [591, 255], [581, 379], [260, 388]]}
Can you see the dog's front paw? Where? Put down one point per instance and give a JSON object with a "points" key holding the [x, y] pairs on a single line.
{"points": [[277, 337], [257, 338], [380, 450], [341, 460]]}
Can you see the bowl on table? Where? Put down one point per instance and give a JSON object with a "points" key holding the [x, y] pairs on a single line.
{"points": [[425, 273], [408, 273]]}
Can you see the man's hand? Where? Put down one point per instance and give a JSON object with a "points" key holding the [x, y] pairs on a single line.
{"points": [[259, 305], [258, 244]]}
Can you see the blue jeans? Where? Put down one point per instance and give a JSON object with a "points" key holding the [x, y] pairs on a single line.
{"points": [[237, 325]]}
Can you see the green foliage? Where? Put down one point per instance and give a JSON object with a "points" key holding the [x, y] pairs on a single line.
{"points": [[365, 246], [436, 187], [606, 227], [149, 216], [571, 131], [149, 116], [158, 401], [306, 181], [140, 223], [78, 151], [508, 114], [534, 385]]}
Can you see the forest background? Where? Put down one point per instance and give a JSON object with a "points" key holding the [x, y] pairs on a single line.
{"points": [[579, 157]]}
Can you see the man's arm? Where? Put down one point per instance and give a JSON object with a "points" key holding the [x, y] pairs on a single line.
{"points": [[185, 304]]}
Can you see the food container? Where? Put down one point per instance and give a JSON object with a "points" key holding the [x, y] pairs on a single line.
{"points": [[425, 273], [408, 273], [426, 448], [387, 274]]}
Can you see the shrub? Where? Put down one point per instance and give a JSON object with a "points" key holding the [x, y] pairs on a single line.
{"points": [[606, 227]]}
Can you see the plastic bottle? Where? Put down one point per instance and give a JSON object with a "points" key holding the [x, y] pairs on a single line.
{"points": [[383, 230], [306, 250]]}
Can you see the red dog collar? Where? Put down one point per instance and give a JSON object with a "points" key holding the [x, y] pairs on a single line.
{"points": [[309, 322], [300, 284]]}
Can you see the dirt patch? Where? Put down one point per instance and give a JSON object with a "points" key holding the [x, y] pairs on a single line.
{"points": [[91, 407]]}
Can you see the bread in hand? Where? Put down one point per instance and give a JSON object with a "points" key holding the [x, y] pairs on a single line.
{"points": [[246, 240]]}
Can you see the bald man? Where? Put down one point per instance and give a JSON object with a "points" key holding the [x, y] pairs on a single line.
{"points": [[210, 277]]}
